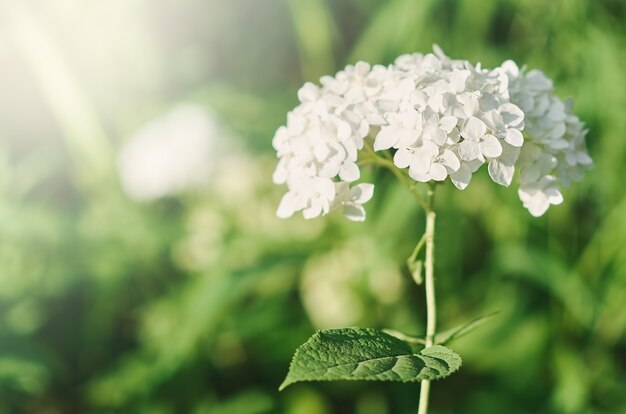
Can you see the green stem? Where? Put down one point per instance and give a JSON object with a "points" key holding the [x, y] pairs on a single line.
{"points": [[431, 310], [428, 238], [371, 157]]}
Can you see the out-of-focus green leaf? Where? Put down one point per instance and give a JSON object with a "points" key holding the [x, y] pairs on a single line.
{"points": [[247, 402], [395, 28], [549, 273], [316, 34]]}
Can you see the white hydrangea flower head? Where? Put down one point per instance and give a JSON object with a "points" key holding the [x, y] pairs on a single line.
{"points": [[555, 153], [439, 118]]}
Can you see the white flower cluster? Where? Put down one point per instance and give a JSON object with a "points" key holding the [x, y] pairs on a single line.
{"points": [[554, 153], [441, 117]]}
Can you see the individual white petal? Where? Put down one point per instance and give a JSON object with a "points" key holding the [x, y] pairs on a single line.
{"points": [[287, 206], [570, 158], [409, 117], [436, 102], [351, 150], [363, 129], [280, 173], [333, 84], [470, 104], [510, 68], [419, 175], [342, 191], [554, 196], [354, 212], [428, 149], [461, 177], [441, 86], [315, 210], [490, 146], [406, 137], [362, 68], [386, 105], [418, 99], [558, 144], [514, 137], [558, 131], [488, 102], [529, 174], [438, 172], [321, 151], [349, 172], [280, 142], [295, 123], [325, 188], [525, 101], [473, 128], [526, 191], [493, 120], [469, 150], [458, 79], [510, 154], [420, 163], [435, 135], [546, 162], [541, 105], [538, 204], [423, 156], [511, 114], [361, 193], [308, 92], [300, 146], [557, 111], [538, 81], [344, 131], [329, 169], [474, 165], [334, 101], [447, 123], [326, 205], [450, 160], [354, 94], [375, 118], [584, 158], [500, 173], [403, 158], [386, 138]]}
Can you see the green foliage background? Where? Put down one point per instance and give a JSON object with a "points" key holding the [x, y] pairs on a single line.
{"points": [[195, 303]]}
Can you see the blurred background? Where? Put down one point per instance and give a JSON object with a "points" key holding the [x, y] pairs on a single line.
{"points": [[142, 268]]}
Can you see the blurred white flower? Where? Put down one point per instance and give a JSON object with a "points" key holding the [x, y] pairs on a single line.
{"points": [[338, 287], [555, 153], [170, 154], [440, 117]]}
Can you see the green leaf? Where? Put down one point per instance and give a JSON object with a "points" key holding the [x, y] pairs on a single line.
{"points": [[460, 330], [367, 354]]}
